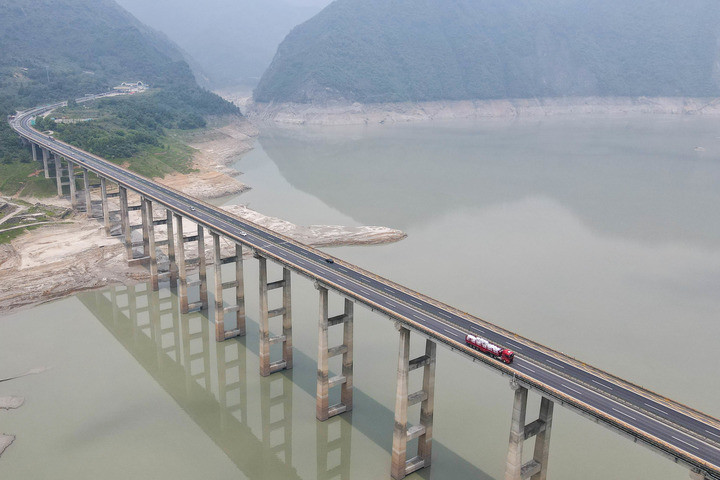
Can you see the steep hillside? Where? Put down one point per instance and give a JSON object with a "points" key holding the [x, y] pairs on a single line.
{"points": [[55, 49], [404, 50], [232, 42]]}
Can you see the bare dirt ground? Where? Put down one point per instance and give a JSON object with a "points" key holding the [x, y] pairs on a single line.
{"points": [[61, 259]]}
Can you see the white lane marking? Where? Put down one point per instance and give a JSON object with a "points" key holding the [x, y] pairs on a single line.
{"points": [[603, 385], [623, 413], [530, 370], [342, 281], [443, 314], [556, 364], [416, 302], [713, 434], [570, 388], [654, 408], [686, 443]]}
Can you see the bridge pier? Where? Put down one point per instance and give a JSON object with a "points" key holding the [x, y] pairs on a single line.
{"points": [[401, 466], [323, 410], [88, 199], [186, 307], [266, 366], [239, 308], [73, 190], [124, 218], [105, 206], [171, 247], [535, 469], [148, 236], [46, 156], [58, 175]]}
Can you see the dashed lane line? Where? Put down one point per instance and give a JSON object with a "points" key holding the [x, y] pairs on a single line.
{"points": [[623, 413], [556, 364], [686, 443], [603, 385], [570, 388]]}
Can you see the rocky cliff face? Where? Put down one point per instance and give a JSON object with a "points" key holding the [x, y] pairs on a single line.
{"points": [[374, 51]]}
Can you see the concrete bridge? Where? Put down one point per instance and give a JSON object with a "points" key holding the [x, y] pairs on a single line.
{"points": [[678, 432]]}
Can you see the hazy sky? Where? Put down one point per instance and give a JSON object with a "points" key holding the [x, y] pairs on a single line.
{"points": [[232, 41]]}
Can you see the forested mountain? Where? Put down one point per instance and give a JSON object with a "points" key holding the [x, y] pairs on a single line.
{"points": [[233, 42], [405, 50], [56, 49]]}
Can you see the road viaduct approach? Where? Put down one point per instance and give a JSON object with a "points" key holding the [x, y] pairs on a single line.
{"points": [[684, 435]]}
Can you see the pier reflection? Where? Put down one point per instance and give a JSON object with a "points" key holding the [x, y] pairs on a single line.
{"points": [[248, 416], [208, 380]]}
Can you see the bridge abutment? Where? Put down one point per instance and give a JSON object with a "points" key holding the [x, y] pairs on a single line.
{"points": [[535, 469], [345, 379], [285, 338], [238, 284], [401, 466]]}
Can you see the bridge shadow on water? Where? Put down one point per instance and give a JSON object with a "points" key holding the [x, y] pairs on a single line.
{"points": [[209, 381]]}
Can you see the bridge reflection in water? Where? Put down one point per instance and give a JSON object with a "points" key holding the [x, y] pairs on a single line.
{"points": [[209, 381]]}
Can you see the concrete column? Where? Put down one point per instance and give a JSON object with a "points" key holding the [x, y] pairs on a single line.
{"points": [[266, 366], [323, 410], [180, 257], [73, 192], [542, 441], [264, 351], [536, 469], [202, 267], [399, 448], [145, 227], [58, 175], [321, 398], [34, 152], [513, 467], [239, 291], [150, 228], [124, 218], [427, 406], [171, 247], [219, 306], [46, 157], [105, 207], [88, 200], [287, 321], [401, 466]]}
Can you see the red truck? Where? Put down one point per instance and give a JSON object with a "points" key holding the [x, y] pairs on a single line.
{"points": [[486, 346]]}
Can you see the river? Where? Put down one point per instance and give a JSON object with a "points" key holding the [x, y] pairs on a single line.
{"points": [[599, 237]]}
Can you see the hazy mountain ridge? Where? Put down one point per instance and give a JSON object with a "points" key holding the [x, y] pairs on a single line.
{"points": [[374, 51], [55, 49]]}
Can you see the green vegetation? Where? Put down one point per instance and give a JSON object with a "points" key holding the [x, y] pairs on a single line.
{"points": [[26, 216], [53, 50], [404, 50], [142, 132]]}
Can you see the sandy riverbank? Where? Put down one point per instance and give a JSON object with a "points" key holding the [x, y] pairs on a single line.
{"points": [[61, 259], [338, 113]]}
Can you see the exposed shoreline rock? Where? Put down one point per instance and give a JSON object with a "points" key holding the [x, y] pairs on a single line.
{"points": [[62, 259], [338, 113]]}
